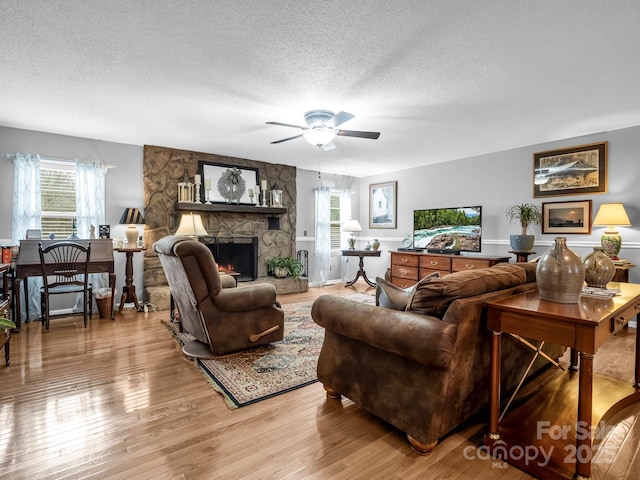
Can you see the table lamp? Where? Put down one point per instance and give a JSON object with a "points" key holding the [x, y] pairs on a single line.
{"points": [[611, 215], [191, 226], [351, 226], [132, 216]]}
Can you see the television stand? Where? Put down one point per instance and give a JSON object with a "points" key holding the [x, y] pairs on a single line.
{"points": [[409, 267]]}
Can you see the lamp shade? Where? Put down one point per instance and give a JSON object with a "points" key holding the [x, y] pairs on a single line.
{"points": [[351, 225], [191, 226], [131, 216], [611, 215]]}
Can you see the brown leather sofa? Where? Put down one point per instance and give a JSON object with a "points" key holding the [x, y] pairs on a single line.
{"points": [[423, 365], [221, 319]]}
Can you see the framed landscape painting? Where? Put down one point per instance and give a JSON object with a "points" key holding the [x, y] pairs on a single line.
{"points": [[566, 217], [570, 171], [383, 208]]}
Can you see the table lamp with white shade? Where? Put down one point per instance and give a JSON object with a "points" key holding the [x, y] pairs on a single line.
{"points": [[133, 217], [611, 215], [191, 226], [351, 226]]}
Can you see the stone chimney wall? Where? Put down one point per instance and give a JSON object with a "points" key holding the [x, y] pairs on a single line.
{"points": [[165, 167]]}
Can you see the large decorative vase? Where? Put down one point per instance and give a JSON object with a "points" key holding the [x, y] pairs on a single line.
{"points": [[375, 244], [598, 268], [560, 274]]}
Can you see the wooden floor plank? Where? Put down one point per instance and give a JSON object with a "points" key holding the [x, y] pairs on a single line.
{"points": [[118, 400]]}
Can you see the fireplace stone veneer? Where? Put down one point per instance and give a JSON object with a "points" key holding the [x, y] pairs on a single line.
{"points": [[164, 168]]}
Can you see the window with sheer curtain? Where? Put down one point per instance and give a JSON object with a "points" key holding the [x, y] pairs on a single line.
{"points": [[52, 196]]}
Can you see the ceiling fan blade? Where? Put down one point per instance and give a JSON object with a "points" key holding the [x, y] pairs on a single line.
{"points": [[356, 133], [339, 119], [287, 139], [286, 125]]}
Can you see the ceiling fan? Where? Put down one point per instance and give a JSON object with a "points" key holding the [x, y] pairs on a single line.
{"points": [[321, 128]]}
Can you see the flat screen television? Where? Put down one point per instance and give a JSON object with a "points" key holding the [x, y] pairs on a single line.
{"points": [[448, 230]]}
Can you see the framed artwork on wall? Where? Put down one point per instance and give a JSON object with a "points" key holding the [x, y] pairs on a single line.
{"points": [[383, 205], [570, 171], [228, 183], [566, 217]]}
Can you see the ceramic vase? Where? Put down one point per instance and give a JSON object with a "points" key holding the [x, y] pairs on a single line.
{"points": [[367, 246], [598, 268], [560, 274], [375, 244]]}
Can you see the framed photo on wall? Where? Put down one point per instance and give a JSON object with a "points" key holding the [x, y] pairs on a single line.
{"points": [[383, 205], [566, 217], [227, 183], [570, 171]]}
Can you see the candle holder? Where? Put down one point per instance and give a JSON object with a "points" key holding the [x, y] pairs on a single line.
{"points": [[250, 195], [197, 192], [264, 198]]}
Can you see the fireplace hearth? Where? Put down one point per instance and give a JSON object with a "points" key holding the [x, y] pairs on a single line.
{"points": [[237, 254]]}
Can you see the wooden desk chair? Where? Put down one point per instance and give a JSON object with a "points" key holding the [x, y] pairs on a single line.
{"points": [[65, 268]]}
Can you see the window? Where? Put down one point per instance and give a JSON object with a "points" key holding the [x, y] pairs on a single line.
{"points": [[58, 197], [334, 221]]}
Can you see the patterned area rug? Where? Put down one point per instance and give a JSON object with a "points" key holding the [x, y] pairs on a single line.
{"points": [[259, 373]]}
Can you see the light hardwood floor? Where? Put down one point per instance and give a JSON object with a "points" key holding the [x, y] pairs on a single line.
{"points": [[118, 400]]}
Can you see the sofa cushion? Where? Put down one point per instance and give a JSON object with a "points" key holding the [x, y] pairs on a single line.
{"points": [[391, 296], [433, 296]]}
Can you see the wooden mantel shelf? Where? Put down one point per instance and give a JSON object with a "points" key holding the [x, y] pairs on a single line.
{"points": [[227, 208]]}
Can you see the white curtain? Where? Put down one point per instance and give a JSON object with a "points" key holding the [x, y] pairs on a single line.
{"points": [[90, 208], [322, 254], [27, 215], [349, 265]]}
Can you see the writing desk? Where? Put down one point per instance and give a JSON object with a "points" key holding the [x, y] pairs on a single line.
{"points": [[28, 265], [582, 326]]}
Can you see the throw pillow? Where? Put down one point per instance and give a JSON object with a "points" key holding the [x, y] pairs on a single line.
{"points": [[391, 296], [434, 297]]}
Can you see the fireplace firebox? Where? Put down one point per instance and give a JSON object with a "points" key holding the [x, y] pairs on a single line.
{"points": [[238, 254]]}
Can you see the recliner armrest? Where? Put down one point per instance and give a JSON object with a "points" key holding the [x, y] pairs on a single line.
{"points": [[243, 299], [421, 338]]}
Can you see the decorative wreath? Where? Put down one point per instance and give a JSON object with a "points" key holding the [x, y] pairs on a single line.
{"points": [[231, 185]]}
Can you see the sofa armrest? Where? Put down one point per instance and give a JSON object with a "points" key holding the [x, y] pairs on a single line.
{"points": [[243, 299], [423, 339]]}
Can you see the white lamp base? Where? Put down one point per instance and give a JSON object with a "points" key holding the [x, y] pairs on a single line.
{"points": [[132, 235]]}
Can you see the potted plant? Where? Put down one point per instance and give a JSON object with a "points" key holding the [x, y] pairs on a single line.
{"points": [[527, 214], [281, 267]]}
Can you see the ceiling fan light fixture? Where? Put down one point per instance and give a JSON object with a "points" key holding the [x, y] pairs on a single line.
{"points": [[320, 135]]}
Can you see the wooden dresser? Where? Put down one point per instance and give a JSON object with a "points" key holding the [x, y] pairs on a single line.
{"points": [[409, 267]]}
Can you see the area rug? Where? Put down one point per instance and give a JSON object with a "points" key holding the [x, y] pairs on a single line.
{"points": [[259, 373]]}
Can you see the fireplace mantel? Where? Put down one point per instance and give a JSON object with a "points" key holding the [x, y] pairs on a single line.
{"points": [[227, 208]]}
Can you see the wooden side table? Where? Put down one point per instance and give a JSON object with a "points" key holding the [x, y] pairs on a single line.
{"points": [[361, 272], [129, 290], [622, 273], [522, 256]]}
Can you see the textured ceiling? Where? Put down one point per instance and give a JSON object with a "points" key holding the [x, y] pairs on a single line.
{"points": [[440, 80]]}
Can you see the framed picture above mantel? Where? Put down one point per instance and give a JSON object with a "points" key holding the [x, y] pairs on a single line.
{"points": [[228, 183], [570, 171]]}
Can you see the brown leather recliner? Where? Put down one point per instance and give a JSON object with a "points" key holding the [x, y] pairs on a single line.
{"points": [[221, 319]]}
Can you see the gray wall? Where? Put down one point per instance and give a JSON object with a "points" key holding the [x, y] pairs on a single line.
{"points": [[124, 186], [494, 181]]}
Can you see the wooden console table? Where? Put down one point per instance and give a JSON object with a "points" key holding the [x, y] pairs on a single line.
{"points": [[361, 272], [583, 327]]}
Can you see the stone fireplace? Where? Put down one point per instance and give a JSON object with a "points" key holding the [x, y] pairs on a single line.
{"points": [[236, 254], [165, 167]]}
